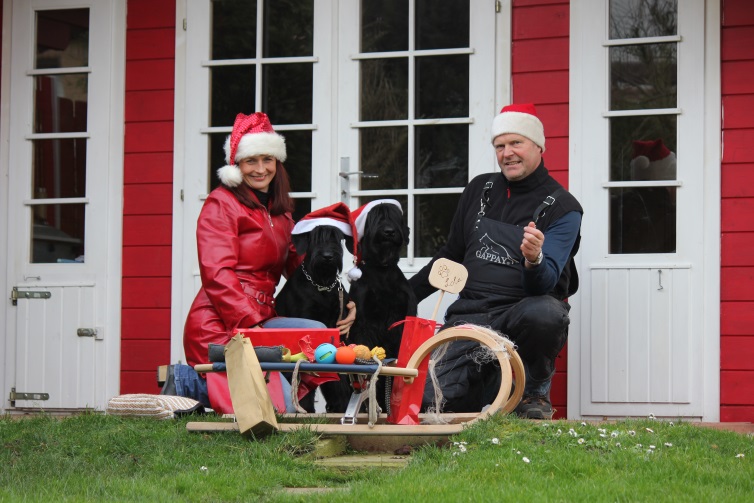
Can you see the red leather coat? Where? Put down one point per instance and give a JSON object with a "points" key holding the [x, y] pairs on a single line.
{"points": [[242, 255]]}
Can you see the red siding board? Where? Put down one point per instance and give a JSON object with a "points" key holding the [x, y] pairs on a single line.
{"points": [[556, 156], [540, 55], [149, 105], [147, 230], [148, 199], [147, 260], [736, 353], [145, 323], [737, 13], [738, 145], [150, 167], [554, 17], [737, 249], [149, 137], [150, 75], [524, 3], [737, 110], [735, 414], [736, 388], [140, 382], [737, 43], [736, 77], [737, 318], [146, 292], [157, 43], [541, 88], [150, 14], [731, 214], [735, 284], [554, 119], [144, 355]]}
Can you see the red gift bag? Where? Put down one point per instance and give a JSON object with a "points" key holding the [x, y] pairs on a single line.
{"points": [[406, 399]]}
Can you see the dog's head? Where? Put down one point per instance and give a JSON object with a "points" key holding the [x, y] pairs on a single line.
{"points": [[385, 234], [323, 249]]}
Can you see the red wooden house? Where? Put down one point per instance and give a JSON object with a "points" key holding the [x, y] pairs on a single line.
{"points": [[113, 115]]}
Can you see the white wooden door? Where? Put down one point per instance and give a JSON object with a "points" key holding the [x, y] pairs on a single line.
{"points": [[645, 164], [64, 196]]}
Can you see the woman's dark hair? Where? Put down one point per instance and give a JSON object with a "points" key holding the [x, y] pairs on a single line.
{"points": [[279, 191]]}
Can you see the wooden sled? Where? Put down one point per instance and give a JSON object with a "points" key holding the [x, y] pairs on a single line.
{"points": [[352, 423]]}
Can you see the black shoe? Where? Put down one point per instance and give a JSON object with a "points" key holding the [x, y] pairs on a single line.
{"points": [[534, 407]]}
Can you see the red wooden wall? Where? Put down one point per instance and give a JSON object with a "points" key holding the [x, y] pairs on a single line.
{"points": [[737, 240], [147, 197], [540, 75]]}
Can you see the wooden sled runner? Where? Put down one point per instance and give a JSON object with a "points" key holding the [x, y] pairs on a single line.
{"points": [[251, 420]]}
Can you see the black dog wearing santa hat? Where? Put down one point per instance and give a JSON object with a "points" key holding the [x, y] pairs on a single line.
{"points": [[314, 290], [379, 288]]}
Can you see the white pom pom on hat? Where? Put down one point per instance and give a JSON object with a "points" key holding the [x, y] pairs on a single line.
{"points": [[520, 119], [359, 217], [251, 135]]}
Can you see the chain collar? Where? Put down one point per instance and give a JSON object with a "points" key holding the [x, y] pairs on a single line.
{"points": [[320, 287]]}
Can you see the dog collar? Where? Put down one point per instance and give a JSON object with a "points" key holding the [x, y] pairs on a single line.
{"points": [[320, 287]]}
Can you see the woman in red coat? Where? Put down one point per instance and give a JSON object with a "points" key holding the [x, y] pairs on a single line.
{"points": [[243, 239]]}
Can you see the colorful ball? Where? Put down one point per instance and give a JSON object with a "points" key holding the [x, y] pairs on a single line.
{"points": [[345, 355], [325, 353]]}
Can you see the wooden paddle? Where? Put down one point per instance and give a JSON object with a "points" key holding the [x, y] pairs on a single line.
{"points": [[447, 276]]}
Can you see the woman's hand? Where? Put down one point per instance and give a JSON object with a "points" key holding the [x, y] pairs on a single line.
{"points": [[345, 324]]}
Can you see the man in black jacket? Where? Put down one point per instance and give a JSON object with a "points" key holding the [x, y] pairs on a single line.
{"points": [[516, 232]]}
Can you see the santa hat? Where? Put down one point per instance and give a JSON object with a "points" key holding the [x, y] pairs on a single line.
{"points": [[251, 135], [359, 217], [652, 160], [519, 119], [338, 215]]}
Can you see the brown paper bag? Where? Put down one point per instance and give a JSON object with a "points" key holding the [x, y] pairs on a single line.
{"points": [[251, 402]]}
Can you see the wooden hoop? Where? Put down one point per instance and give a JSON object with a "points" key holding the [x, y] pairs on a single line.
{"points": [[518, 367], [503, 398]]}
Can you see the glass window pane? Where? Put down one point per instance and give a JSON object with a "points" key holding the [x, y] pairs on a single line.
{"points": [[57, 233], [643, 76], [442, 156], [62, 38], [287, 93], [384, 153], [59, 168], [288, 28], [625, 132], [643, 18], [60, 103], [232, 92], [643, 220], [384, 89], [384, 25], [442, 24], [234, 26], [442, 86], [432, 222], [299, 163]]}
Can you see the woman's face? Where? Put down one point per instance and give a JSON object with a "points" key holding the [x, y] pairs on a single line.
{"points": [[258, 171]]}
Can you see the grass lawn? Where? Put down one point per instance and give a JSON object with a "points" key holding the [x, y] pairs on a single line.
{"points": [[94, 457]]}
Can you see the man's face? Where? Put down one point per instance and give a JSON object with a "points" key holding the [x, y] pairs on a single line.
{"points": [[517, 155]]}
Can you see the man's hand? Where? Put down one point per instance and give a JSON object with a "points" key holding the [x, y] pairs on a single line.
{"points": [[531, 246], [345, 324]]}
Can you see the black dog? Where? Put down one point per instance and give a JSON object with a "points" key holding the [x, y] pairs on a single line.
{"points": [[382, 294], [314, 291]]}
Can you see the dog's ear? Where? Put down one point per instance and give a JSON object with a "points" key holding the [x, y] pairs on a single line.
{"points": [[301, 242], [406, 232], [349, 244]]}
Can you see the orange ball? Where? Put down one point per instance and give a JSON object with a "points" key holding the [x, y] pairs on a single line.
{"points": [[345, 355]]}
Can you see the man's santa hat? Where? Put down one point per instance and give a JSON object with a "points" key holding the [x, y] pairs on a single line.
{"points": [[652, 160], [359, 217], [338, 215], [251, 135], [520, 119]]}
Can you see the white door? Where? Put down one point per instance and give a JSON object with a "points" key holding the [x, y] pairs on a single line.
{"points": [[64, 197], [425, 133], [645, 164]]}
